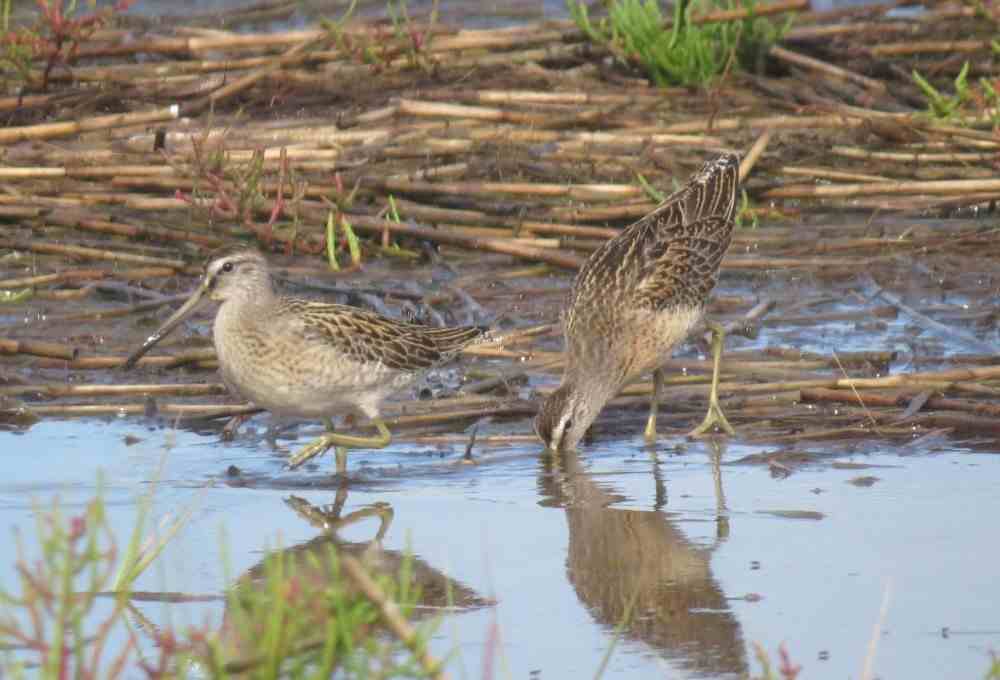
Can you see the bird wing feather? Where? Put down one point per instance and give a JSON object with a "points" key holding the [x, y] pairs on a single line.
{"points": [[682, 270], [671, 256], [367, 337]]}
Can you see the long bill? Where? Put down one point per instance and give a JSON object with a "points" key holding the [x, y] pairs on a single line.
{"points": [[186, 309]]}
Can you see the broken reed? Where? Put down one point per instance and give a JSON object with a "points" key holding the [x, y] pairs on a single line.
{"points": [[542, 174], [741, 380], [444, 41]]}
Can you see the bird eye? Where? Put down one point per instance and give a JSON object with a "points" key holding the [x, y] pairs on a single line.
{"points": [[227, 267]]}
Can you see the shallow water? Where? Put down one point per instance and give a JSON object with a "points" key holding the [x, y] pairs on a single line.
{"points": [[717, 557], [561, 544]]}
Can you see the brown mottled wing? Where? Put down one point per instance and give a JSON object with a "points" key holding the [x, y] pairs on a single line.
{"points": [[681, 271], [683, 251], [670, 257], [367, 337]]}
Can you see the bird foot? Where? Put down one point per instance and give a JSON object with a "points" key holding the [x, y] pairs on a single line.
{"points": [[650, 432], [315, 448], [714, 418]]}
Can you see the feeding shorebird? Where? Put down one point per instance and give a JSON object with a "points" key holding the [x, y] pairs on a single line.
{"points": [[639, 295], [308, 359]]}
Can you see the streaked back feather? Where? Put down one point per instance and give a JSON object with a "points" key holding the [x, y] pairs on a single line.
{"points": [[367, 337], [669, 258]]}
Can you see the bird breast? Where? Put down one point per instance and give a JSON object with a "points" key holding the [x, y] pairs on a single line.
{"points": [[624, 343]]}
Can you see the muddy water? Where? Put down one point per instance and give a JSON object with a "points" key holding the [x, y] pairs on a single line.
{"points": [[718, 556]]}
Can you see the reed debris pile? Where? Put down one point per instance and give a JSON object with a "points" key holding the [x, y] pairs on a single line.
{"points": [[131, 148]]}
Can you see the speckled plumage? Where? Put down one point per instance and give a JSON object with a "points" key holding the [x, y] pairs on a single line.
{"points": [[310, 359], [639, 295], [305, 358]]}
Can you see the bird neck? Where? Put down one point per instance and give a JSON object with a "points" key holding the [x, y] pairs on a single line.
{"points": [[253, 294], [245, 308], [598, 386], [593, 391]]}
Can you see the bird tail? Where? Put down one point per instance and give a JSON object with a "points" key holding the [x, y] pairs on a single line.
{"points": [[711, 192]]}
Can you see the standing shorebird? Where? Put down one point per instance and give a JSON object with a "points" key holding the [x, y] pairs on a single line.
{"points": [[307, 359], [636, 297]]}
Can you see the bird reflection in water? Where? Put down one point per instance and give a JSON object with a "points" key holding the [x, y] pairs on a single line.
{"points": [[313, 566], [619, 557]]}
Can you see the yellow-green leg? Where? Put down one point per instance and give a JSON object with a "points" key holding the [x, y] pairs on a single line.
{"points": [[342, 442], [327, 518], [654, 406], [715, 416]]}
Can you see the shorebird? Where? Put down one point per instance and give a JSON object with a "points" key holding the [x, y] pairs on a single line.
{"points": [[639, 295], [308, 359]]}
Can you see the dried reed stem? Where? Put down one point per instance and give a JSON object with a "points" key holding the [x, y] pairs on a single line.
{"points": [[11, 135], [391, 616]]}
